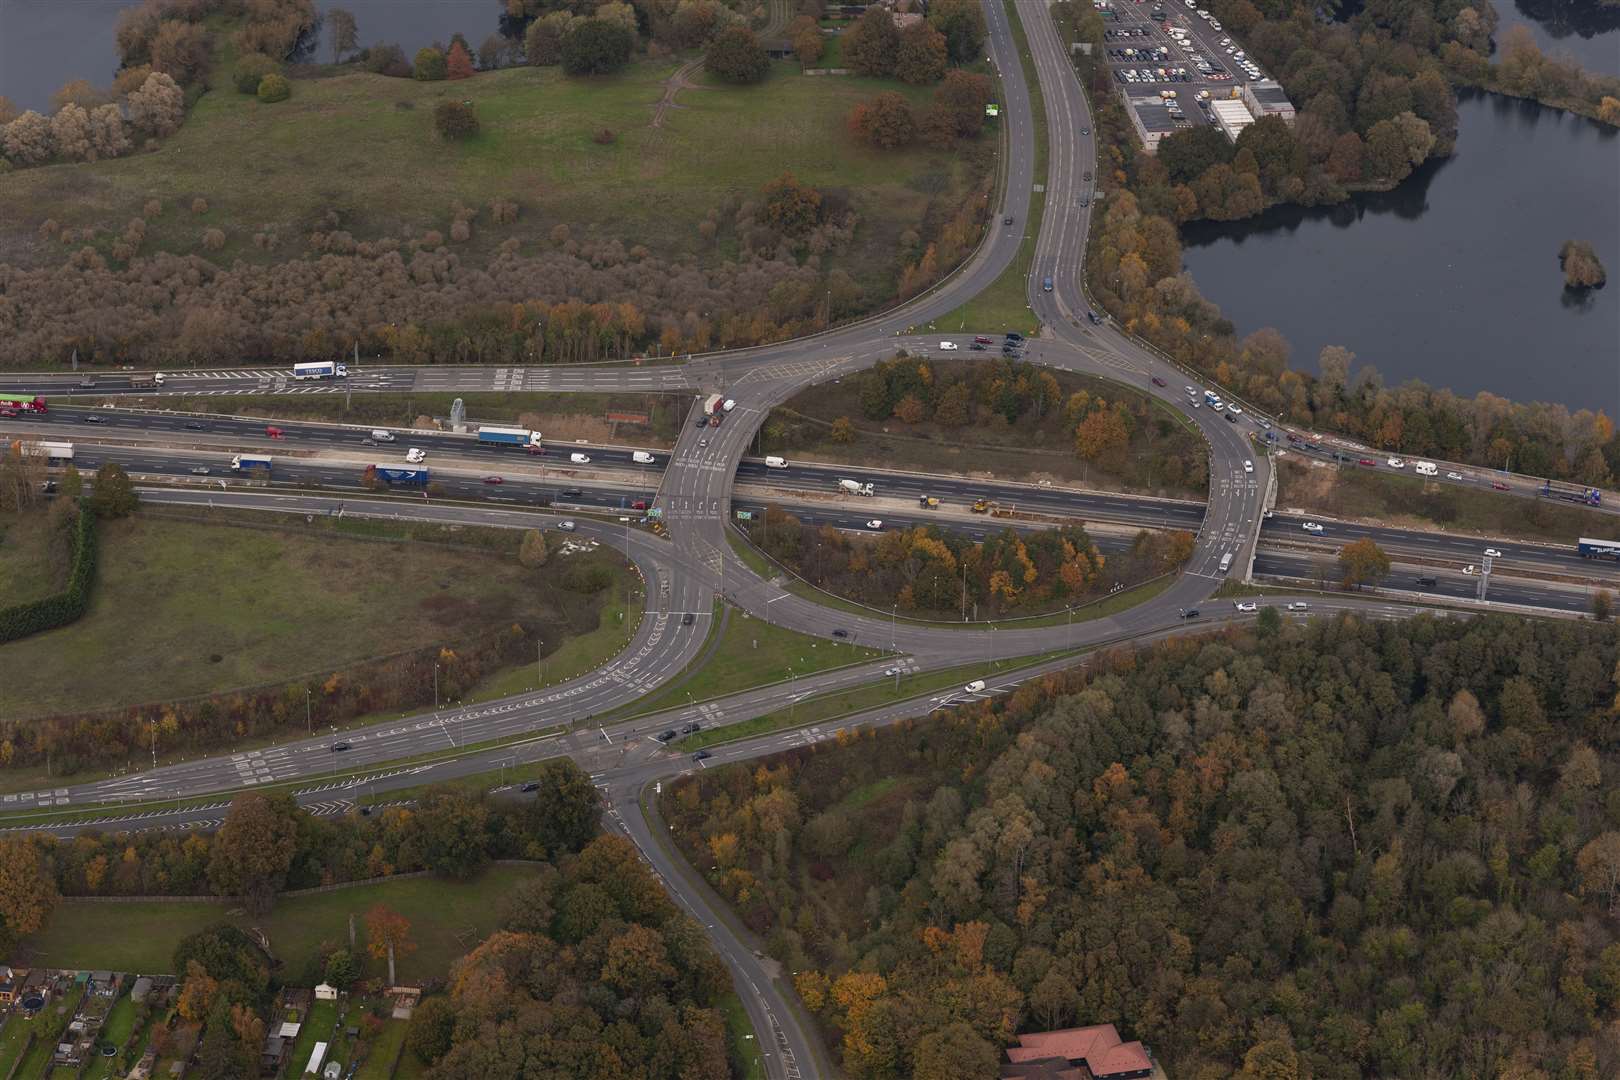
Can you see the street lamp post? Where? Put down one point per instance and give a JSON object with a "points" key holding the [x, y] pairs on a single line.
{"points": [[309, 719], [894, 610], [435, 686]]}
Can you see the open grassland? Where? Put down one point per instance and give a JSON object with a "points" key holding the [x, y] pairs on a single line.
{"points": [[438, 911], [26, 568], [183, 608], [364, 146]]}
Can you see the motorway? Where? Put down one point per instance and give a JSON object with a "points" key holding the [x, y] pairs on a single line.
{"points": [[686, 573]]}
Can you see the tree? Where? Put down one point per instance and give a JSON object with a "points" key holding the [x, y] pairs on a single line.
{"points": [[885, 121], [70, 132], [274, 88], [344, 31], [1269, 622], [542, 41], [27, 139], [72, 482], [1187, 154], [339, 970], [921, 58], [388, 934], [109, 132], [1362, 561], [532, 553], [736, 56], [842, 430], [455, 120], [180, 49], [114, 495], [566, 809], [870, 46], [1101, 437], [1582, 267], [953, 1052], [962, 24], [1599, 866], [491, 52], [158, 107], [433, 1025], [253, 850], [430, 64], [450, 837], [27, 889], [250, 69], [1602, 605], [596, 47], [459, 64], [792, 208], [808, 45], [963, 96]]}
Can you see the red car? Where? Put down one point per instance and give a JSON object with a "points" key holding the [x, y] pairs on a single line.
{"points": [[274, 432], [533, 449], [1499, 486], [982, 340], [494, 480], [1158, 381], [1368, 461], [639, 504], [9, 412]]}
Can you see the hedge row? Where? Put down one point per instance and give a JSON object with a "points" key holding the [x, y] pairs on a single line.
{"points": [[21, 620]]}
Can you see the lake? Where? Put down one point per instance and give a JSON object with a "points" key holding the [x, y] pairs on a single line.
{"points": [[1585, 29], [1453, 277], [46, 43]]}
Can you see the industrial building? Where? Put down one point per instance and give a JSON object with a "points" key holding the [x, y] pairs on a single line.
{"points": [[1230, 116], [1152, 119], [1266, 98]]}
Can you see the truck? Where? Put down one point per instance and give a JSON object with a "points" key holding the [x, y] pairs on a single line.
{"points": [[980, 506], [715, 403], [401, 475], [854, 487], [246, 462], [776, 463], [143, 382], [320, 369], [50, 451], [1569, 493], [928, 502], [509, 436], [1425, 468]]}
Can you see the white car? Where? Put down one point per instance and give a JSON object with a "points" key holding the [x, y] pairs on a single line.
{"points": [[415, 456], [1311, 527], [580, 459], [1226, 41], [1299, 605], [891, 672], [948, 346], [1492, 553], [974, 687], [1197, 404], [1454, 476], [875, 523], [1192, 391], [1234, 410], [1248, 466], [1246, 605], [566, 526], [1395, 463]]}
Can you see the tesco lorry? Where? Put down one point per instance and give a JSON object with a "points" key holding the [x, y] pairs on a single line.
{"points": [[854, 487]]}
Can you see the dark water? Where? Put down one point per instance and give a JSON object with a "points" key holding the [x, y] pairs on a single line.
{"points": [[45, 43], [1584, 29], [1453, 277]]}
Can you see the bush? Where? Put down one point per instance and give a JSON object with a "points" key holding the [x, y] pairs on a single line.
{"points": [[50, 612], [388, 60], [274, 88], [251, 69], [431, 65], [455, 120], [596, 47], [735, 55]]}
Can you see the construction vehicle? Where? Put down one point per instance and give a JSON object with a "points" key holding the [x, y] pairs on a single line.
{"points": [[928, 502], [980, 506]]}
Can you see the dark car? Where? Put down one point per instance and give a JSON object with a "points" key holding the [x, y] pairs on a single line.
{"points": [[976, 347], [841, 633], [1424, 582], [341, 746], [194, 425], [572, 493], [532, 785], [1085, 131], [1087, 176], [688, 619], [1013, 335], [689, 728], [49, 487], [702, 421], [1158, 381], [1231, 418], [1046, 284], [1007, 220], [701, 755], [665, 736], [1190, 613], [94, 419], [1096, 319]]}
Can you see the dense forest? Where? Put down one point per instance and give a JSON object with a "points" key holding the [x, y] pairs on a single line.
{"points": [[932, 571], [1334, 849]]}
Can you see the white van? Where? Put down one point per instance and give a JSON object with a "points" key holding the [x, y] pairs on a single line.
{"points": [[948, 346], [729, 405], [974, 687], [775, 463], [1426, 468], [580, 459], [382, 436], [415, 456], [1226, 562], [642, 457]]}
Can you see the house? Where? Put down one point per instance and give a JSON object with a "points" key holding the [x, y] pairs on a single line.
{"points": [[1083, 1053], [10, 986], [324, 992], [274, 1054]]}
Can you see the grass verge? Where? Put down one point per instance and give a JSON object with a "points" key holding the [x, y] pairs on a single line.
{"points": [[1005, 304], [744, 1045], [148, 931]]}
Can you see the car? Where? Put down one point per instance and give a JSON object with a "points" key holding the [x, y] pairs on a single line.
{"points": [[1085, 131], [1470, 569], [703, 444], [687, 729], [566, 526], [1231, 418], [339, 746], [1395, 463], [1366, 461], [701, 755], [1248, 466], [1046, 284], [976, 347], [665, 736], [494, 479], [639, 504], [1190, 613], [1454, 476], [1492, 553], [194, 425], [1197, 404], [1191, 391], [1159, 382], [368, 441], [1266, 515], [840, 633], [1497, 485], [1299, 605], [948, 346], [572, 493], [532, 785], [1235, 410], [688, 619], [199, 470], [890, 673], [9, 412], [48, 487], [702, 421], [94, 419], [1246, 605], [1423, 582], [875, 523], [1087, 175], [1096, 319], [974, 687], [1013, 335], [982, 339], [1008, 220]]}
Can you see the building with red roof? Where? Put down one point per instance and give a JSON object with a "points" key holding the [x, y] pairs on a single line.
{"points": [[1083, 1053]]}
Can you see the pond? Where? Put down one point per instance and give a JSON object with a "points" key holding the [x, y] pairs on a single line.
{"points": [[1452, 277]]}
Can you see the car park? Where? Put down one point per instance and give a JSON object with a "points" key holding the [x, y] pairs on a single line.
{"points": [[1311, 527]]}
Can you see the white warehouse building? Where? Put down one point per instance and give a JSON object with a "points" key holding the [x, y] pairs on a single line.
{"points": [[1230, 116], [1266, 98]]}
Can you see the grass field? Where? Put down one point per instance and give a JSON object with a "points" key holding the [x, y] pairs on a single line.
{"points": [[316, 1027], [750, 653], [1352, 492], [119, 1026], [364, 146], [13, 1041], [25, 565], [148, 932], [380, 1055], [560, 417], [183, 608]]}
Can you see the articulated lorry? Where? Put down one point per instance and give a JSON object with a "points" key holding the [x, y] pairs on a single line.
{"points": [[248, 462], [854, 487], [320, 369], [146, 382], [401, 476], [50, 451], [509, 436]]}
